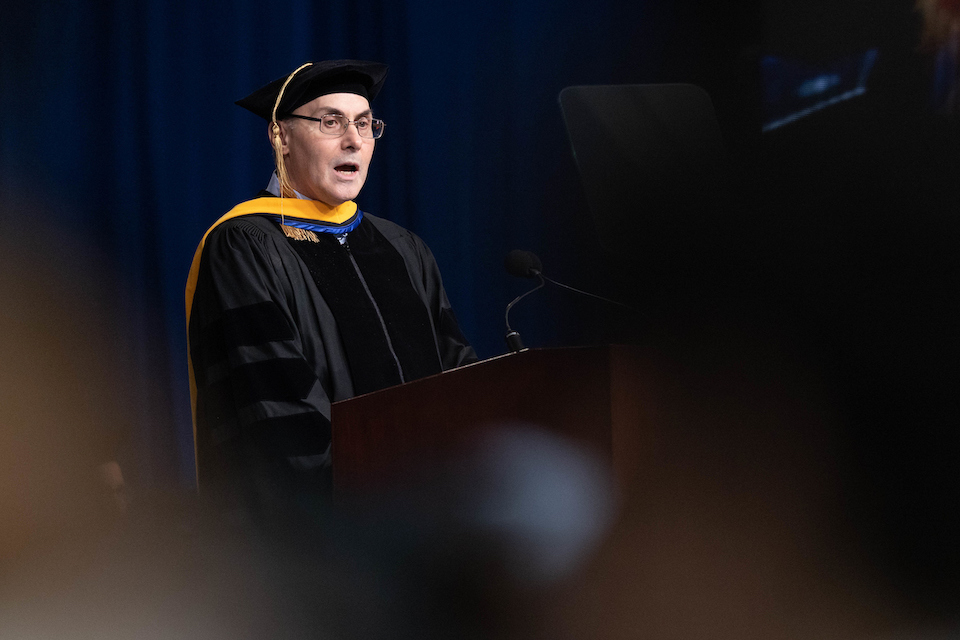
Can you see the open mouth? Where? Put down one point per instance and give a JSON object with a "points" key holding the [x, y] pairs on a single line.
{"points": [[348, 168]]}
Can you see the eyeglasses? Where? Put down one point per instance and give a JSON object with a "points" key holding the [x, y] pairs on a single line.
{"points": [[335, 124]]}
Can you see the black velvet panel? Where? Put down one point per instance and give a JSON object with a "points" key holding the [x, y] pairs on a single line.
{"points": [[405, 314], [373, 358], [372, 364]]}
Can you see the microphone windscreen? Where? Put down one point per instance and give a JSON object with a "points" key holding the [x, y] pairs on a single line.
{"points": [[522, 264]]}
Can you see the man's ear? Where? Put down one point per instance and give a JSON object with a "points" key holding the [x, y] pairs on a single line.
{"points": [[277, 134]]}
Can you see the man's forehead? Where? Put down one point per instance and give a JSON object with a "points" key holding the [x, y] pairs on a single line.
{"points": [[348, 103]]}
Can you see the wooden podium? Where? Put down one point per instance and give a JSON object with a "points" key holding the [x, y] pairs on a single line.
{"points": [[594, 395]]}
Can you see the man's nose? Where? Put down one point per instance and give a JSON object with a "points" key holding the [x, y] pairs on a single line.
{"points": [[351, 137]]}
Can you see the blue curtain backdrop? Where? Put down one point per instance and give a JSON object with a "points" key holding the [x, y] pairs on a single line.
{"points": [[118, 119]]}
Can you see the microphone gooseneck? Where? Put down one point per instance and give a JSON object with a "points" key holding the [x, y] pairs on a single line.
{"points": [[514, 343], [526, 264], [523, 264]]}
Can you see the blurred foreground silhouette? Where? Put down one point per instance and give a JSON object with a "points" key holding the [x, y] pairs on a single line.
{"points": [[768, 508]]}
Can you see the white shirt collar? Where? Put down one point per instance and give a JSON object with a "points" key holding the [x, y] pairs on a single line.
{"points": [[274, 187]]}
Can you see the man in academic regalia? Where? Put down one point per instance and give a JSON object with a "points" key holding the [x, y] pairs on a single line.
{"points": [[297, 299]]}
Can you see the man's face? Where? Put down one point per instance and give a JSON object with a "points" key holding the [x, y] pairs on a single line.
{"points": [[325, 167]]}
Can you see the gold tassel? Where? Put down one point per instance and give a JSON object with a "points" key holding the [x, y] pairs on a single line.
{"points": [[296, 233], [286, 191]]}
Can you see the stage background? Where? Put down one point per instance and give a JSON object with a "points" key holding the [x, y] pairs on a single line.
{"points": [[117, 119]]}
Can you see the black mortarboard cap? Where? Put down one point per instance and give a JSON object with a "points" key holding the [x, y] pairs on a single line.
{"points": [[319, 79]]}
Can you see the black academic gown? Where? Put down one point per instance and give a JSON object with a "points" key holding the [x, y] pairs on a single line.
{"points": [[281, 328]]}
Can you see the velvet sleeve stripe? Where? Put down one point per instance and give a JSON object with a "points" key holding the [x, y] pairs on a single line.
{"points": [[278, 380], [250, 325]]}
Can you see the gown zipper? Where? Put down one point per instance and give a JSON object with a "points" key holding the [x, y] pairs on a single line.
{"points": [[383, 325]]}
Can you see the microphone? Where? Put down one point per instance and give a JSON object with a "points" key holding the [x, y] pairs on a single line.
{"points": [[526, 264], [522, 264]]}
